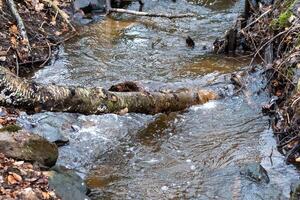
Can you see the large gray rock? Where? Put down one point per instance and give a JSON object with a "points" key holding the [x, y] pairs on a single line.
{"points": [[67, 184], [29, 147]]}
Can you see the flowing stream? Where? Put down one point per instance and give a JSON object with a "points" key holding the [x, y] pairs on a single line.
{"points": [[194, 154]]}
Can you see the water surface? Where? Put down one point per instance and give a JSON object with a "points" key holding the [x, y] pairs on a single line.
{"points": [[194, 154]]}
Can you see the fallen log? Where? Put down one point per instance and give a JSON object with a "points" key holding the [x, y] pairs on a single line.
{"points": [[18, 92]]}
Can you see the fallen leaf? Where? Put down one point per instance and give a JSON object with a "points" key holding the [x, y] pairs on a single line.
{"points": [[38, 7], [2, 58], [57, 33], [17, 177], [18, 163], [11, 180], [13, 41], [297, 159], [25, 42], [13, 30], [46, 195], [53, 20]]}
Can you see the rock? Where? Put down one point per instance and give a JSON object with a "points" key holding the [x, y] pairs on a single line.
{"points": [[51, 133], [255, 172], [295, 191], [52, 128], [89, 5], [22, 145], [67, 184]]}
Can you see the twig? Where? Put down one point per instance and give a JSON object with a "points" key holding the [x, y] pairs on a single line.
{"points": [[49, 55], [13, 8], [17, 65], [253, 22], [64, 15], [137, 13]]}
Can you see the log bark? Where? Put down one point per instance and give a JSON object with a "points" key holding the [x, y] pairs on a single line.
{"points": [[18, 92]]}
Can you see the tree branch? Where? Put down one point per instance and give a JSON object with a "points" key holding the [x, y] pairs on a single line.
{"points": [[137, 13], [13, 8]]}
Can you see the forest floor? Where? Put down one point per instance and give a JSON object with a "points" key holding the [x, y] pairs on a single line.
{"points": [[45, 27]]}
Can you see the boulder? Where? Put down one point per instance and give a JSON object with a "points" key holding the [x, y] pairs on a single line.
{"points": [[67, 184], [25, 146]]}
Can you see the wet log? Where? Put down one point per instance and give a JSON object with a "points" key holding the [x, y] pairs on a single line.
{"points": [[18, 92]]}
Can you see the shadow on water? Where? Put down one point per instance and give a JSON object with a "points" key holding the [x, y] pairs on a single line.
{"points": [[194, 154]]}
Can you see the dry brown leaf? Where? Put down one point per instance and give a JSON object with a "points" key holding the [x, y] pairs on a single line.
{"points": [[3, 53], [18, 163], [25, 42], [39, 6], [17, 177], [13, 30], [13, 42], [58, 33], [11, 180], [46, 195], [53, 20], [1, 4]]}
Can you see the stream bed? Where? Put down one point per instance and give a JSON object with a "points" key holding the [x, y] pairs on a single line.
{"points": [[195, 154]]}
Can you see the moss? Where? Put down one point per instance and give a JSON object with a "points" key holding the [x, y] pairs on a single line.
{"points": [[11, 128], [283, 20]]}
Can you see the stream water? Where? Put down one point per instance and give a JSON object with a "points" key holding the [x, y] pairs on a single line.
{"points": [[195, 154]]}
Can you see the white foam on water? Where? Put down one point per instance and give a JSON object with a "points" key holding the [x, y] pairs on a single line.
{"points": [[206, 106]]}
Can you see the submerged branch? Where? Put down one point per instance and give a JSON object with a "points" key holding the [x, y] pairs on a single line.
{"points": [[137, 13]]}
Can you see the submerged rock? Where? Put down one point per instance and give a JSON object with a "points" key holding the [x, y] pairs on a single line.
{"points": [[29, 147], [67, 184], [88, 6], [255, 172], [295, 191]]}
